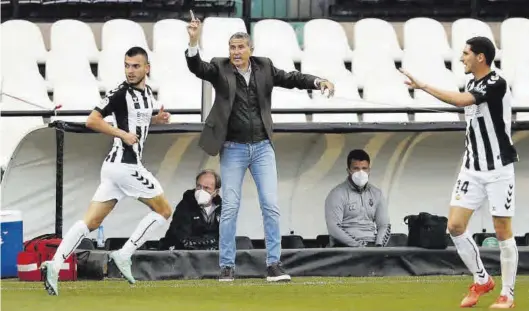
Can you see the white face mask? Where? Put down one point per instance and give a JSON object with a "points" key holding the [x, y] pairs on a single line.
{"points": [[360, 178], [202, 197]]}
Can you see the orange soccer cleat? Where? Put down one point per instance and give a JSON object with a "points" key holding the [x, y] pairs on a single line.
{"points": [[503, 302], [476, 290]]}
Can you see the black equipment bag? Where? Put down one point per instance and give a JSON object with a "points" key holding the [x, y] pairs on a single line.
{"points": [[427, 231]]}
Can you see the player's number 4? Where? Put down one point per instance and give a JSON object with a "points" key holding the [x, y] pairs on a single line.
{"points": [[463, 187]]}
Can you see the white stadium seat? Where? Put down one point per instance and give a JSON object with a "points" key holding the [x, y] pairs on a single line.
{"points": [[520, 92], [514, 32], [345, 96], [268, 34], [170, 36], [326, 35], [22, 79], [377, 34], [181, 94], [65, 32], [18, 63], [22, 36], [119, 35], [280, 60], [27, 90], [424, 65], [429, 69], [67, 67], [369, 63], [514, 46], [216, 33], [425, 100], [110, 70], [462, 30], [466, 28], [282, 97], [165, 66], [386, 92], [323, 64], [290, 99], [76, 95], [427, 36]]}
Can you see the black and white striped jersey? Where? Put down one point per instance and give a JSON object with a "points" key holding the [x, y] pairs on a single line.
{"points": [[488, 139], [132, 111]]}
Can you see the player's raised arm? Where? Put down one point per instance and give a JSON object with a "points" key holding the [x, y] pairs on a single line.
{"points": [[457, 99]]}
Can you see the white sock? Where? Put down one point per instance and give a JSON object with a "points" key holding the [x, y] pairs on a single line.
{"points": [[469, 253], [509, 265], [148, 224], [69, 243]]}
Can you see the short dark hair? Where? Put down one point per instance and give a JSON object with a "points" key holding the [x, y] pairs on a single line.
{"points": [[357, 155], [136, 50], [483, 45], [212, 172]]}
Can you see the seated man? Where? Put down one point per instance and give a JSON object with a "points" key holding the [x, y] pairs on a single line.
{"points": [[195, 223], [355, 210]]}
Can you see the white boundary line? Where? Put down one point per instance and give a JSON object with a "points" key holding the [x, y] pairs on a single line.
{"points": [[103, 285]]}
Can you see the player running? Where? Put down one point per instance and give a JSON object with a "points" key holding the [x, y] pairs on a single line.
{"points": [[487, 171], [122, 173]]}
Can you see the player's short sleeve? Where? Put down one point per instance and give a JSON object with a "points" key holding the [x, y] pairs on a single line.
{"points": [[111, 103], [490, 90]]}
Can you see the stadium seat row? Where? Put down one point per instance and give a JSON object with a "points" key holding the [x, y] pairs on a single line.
{"points": [[69, 77], [426, 48]]}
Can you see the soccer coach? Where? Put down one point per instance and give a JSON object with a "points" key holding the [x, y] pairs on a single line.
{"points": [[239, 127]]}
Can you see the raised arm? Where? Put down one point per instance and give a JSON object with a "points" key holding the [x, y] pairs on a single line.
{"points": [[454, 98], [202, 69], [334, 218]]}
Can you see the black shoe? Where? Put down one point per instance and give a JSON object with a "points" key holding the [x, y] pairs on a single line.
{"points": [[276, 273], [226, 274]]}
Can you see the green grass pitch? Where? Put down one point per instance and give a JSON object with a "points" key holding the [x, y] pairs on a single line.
{"points": [[437, 293]]}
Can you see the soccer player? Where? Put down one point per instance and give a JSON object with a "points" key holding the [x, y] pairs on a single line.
{"points": [[487, 171], [122, 173]]}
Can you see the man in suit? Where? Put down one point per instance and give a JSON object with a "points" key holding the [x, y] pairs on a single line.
{"points": [[239, 127]]}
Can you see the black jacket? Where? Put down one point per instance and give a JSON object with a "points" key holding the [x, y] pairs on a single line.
{"points": [[219, 72], [189, 228], [245, 124]]}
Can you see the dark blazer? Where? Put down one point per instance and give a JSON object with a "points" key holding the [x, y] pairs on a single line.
{"points": [[220, 72]]}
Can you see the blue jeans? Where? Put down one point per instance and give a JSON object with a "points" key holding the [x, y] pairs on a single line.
{"points": [[235, 158]]}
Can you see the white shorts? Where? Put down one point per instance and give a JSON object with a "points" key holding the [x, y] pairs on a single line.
{"points": [[473, 187], [119, 180]]}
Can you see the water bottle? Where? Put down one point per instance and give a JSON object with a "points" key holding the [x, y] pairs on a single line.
{"points": [[100, 237]]}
